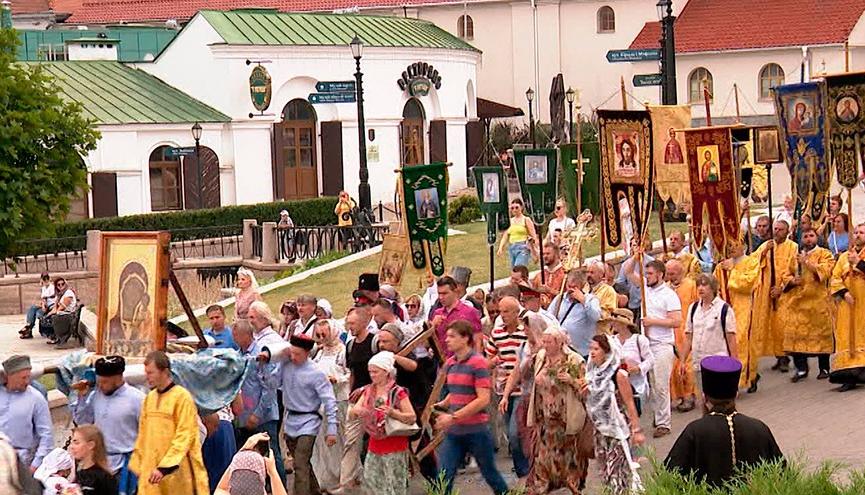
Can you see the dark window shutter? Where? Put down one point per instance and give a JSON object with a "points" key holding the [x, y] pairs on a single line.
{"points": [[278, 168], [104, 190], [438, 141], [331, 158], [190, 183], [210, 178], [474, 142]]}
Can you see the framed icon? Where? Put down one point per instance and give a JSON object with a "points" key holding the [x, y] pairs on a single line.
{"points": [[768, 148]]}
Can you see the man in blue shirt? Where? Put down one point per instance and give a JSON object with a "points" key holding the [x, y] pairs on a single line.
{"points": [[579, 312], [220, 332], [635, 296], [305, 389], [114, 407], [24, 415]]}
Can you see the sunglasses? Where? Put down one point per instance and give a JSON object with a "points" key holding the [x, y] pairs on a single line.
{"points": [[321, 336], [559, 207], [412, 305]]}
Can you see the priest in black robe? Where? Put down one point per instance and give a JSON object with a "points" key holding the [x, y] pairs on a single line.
{"points": [[723, 440]]}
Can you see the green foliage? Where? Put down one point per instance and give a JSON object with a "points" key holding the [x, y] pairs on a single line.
{"points": [[439, 486], [771, 478], [42, 140], [316, 211], [464, 208]]}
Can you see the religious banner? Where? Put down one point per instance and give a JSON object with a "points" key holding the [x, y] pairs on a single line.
{"points": [[801, 116], [714, 192], [845, 95], [591, 176], [626, 171], [671, 161], [492, 188], [425, 198], [743, 160], [537, 172]]}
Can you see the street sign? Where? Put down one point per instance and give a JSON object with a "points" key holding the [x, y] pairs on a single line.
{"points": [[186, 151], [332, 98], [335, 87], [614, 56], [641, 80]]}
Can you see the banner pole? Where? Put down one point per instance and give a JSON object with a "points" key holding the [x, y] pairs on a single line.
{"points": [[772, 220], [624, 94], [663, 229]]}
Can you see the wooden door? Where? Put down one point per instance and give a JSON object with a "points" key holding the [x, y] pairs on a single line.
{"points": [[296, 140], [412, 141], [331, 158], [208, 180]]}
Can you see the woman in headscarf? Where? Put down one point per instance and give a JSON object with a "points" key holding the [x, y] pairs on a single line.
{"points": [[54, 472], [330, 358], [606, 381], [249, 469], [556, 411], [385, 471], [247, 292]]}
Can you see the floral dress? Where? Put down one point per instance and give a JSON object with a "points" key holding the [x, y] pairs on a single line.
{"points": [[557, 462]]}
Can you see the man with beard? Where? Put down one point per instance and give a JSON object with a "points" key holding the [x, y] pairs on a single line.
{"points": [[848, 287], [606, 295], [761, 233], [554, 274], [808, 309]]}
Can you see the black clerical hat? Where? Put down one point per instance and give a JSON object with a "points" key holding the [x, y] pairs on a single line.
{"points": [[720, 377], [110, 366]]}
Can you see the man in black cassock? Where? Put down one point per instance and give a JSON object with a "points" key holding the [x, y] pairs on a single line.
{"points": [[723, 439]]}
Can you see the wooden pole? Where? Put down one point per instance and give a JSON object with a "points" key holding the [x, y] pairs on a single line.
{"points": [[663, 229], [579, 162], [707, 96], [603, 233], [736, 95], [772, 220], [187, 308], [750, 240], [847, 56], [642, 287], [624, 95]]}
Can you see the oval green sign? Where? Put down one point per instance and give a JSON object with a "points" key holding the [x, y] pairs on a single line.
{"points": [[260, 89]]}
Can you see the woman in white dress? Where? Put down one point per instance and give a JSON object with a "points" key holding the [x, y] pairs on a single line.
{"points": [[330, 358]]}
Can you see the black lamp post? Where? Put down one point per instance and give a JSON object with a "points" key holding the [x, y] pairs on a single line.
{"points": [[530, 95], [668, 52], [196, 135], [570, 94], [363, 190]]}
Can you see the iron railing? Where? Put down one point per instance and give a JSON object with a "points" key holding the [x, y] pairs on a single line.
{"points": [[62, 254], [306, 243], [207, 242]]}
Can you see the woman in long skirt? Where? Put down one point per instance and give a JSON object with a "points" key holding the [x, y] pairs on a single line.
{"points": [[330, 358]]}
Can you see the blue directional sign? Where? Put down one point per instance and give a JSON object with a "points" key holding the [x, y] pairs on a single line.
{"points": [[335, 86], [641, 80], [614, 56], [332, 98], [186, 151]]}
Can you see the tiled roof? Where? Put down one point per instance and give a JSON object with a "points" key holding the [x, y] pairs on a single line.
{"points": [[66, 6], [262, 27], [715, 25], [30, 6], [112, 93], [113, 11], [135, 43]]}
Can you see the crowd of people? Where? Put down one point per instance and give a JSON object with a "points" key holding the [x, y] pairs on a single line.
{"points": [[558, 367]]}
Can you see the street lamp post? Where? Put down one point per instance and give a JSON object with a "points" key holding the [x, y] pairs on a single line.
{"points": [[668, 52], [570, 94], [363, 190], [530, 95], [196, 135]]}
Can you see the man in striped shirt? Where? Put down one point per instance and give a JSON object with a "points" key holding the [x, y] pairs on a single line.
{"points": [[465, 422], [502, 351]]}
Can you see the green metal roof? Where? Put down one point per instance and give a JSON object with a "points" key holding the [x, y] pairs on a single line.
{"points": [[265, 27], [136, 43], [112, 93]]}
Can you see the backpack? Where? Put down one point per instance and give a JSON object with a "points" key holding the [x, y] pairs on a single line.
{"points": [[724, 310]]}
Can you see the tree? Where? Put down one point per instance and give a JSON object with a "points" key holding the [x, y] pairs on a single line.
{"points": [[42, 141]]}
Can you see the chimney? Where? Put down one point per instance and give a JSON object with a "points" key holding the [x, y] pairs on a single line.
{"points": [[100, 47]]}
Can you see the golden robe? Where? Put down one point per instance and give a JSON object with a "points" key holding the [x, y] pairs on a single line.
{"points": [[168, 437], [689, 262], [850, 322], [768, 322], [683, 387], [737, 287], [809, 309], [555, 280], [608, 298]]}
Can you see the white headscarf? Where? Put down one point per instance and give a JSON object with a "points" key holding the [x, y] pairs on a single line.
{"points": [[383, 360], [57, 460]]}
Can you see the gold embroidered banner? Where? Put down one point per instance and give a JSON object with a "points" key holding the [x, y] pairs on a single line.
{"points": [[671, 161], [844, 100]]}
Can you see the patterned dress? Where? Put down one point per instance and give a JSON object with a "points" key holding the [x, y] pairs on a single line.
{"points": [[557, 462]]}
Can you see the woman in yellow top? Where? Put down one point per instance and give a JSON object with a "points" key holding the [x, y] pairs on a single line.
{"points": [[343, 209], [521, 235]]}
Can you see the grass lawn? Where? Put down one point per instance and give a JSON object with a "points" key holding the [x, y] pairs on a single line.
{"points": [[469, 250]]}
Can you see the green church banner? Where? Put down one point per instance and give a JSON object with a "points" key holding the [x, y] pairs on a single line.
{"points": [[425, 198], [492, 189], [591, 177], [537, 172]]}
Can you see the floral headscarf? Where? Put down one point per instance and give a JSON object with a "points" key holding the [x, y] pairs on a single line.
{"points": [[601, 402]]}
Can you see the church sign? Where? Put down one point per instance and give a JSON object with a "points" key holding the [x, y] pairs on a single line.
{"points": [[418, 78], [260, 89]]}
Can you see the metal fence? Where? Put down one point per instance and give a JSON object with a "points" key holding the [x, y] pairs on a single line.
{"points": [[306, 243], [207, 242], [61, 254]]}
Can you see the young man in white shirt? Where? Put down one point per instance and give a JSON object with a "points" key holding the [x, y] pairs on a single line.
{"points": [[663, 315]]}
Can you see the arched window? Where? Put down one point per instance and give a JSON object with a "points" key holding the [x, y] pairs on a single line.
{"points": [[466, 27], [296, 151], [696, 80], [165, 181], [413, 133], [771, 75], [606, 20]]}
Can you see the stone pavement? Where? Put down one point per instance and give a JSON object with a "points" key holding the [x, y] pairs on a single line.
{"points": [[809, 419]]}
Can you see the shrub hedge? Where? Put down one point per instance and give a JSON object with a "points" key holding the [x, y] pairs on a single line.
{"points": [[464, 208], [316, 211]]}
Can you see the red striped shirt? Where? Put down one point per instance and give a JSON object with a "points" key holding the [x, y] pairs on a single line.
{"points": [[464, 378], [506, 346]]}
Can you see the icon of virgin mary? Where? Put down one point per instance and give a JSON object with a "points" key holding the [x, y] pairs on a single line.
{"points": [[132, 320]]}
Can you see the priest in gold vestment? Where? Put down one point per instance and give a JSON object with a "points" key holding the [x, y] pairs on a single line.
{"points": [[167, 456], [682, 380], [736, 278], [809, 309], [847, 285]]}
